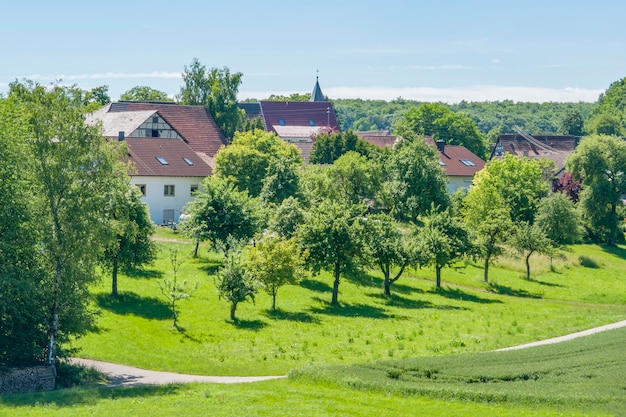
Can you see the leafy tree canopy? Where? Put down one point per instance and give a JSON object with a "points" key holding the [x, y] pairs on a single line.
{"points": [[145, 93]]}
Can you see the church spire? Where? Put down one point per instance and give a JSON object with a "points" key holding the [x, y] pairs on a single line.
{"points": [[317, 94]]}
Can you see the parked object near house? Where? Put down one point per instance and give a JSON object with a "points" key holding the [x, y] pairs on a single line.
{"points": [[171, 148]]}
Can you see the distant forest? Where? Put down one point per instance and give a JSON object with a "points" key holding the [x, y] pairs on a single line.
{"points": [[493, 117]]}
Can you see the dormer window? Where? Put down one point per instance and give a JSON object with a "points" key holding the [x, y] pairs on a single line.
{"points": [[281, 122], [162, 160], [311, 122]]}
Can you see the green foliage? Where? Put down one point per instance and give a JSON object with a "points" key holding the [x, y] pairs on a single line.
{"points": [[145, 93], [438, 121], [599, 163], [255, 156], [291, 97], [286, 218], [96, 98], [529, 239], [441, 242], [355, 179], [328, 147], [72, 171], [413, 180], [221, 214], [558, 217], [388, 247], [520, 183], [131, 228], [571, 123], [215, 89], [608, 115], [275, 262], [235, 283], [332, 239]]}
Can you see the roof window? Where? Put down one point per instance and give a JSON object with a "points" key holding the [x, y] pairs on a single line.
{"points": [[443, 164], [311, 122], [162, 160], [281, 122], [467, 162], [188, 161]]}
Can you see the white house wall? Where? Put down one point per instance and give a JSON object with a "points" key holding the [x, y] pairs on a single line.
{"points": [[454, 183], [158, 202]]}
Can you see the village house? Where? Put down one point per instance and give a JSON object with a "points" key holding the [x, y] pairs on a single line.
{"points": [[171, 148]]}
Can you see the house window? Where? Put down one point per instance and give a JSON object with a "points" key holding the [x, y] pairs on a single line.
{"points": [[142, 189], [188, 161], [155, 119], [281, 122], [168, 190], [155, 133], [194, 189], [467, 162], [311, 122], [162, 160]]}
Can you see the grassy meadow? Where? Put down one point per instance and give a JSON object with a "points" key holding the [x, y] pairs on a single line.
{"points": [[367, 357]]}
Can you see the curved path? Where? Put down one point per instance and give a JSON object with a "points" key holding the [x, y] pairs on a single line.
{"points": [[122, 375], [126, 376]]}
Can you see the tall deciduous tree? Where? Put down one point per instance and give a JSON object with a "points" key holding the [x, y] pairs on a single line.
{"points": [[235, 283], [558, 217], [73, 171], [413, 180], [390, 250], [23, 300], [355, 178], [221, 214], [329, 146], [216, 89], [438, 121], [600, 163], [332, 238], [252, 157], [529, 239], [131, 228], [441, 242], [275, 262], [145, 93]]}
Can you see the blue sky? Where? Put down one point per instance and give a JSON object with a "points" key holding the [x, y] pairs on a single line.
{"points": [[448, 51]]}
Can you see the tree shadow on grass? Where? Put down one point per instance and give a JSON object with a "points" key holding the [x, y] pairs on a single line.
{"points": [[363, 279], [299, 316], [315, 285], [129, 303], [618, 251], [85, 395], [547, 284], [399, 301], [142, 273], [458, 294], [254, 325], [513, 292], [352, 310]]}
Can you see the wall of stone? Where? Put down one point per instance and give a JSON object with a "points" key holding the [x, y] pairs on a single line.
{"points": [[17, 380]]}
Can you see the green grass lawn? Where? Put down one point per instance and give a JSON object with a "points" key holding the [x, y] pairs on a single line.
{"points": [[465, 316], [582, 288]]}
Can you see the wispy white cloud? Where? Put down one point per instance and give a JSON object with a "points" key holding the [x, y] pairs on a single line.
{"points": [[495, 61], [102, 76], [439, 67], [469, 93]]}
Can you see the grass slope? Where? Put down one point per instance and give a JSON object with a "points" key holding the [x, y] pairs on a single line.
{"points": [[464, 316], [588, 374]]}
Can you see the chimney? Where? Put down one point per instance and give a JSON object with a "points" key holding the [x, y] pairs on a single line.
{"points": [[120, 135], [441, 146]]}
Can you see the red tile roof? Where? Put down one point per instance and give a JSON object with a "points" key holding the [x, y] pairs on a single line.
{"points": [[193, 123], [145, 151], [453, 155], [298, 113], [553, 147], [381, 140], [306, 148]]}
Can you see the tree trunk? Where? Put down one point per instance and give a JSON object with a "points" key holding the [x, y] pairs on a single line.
{"points": [[54, 325], [114, 279], [486, 271], [274, 301], [195, 250], [233, 308], [387, 281], [335, 301], [438, 275], [528, 266]]}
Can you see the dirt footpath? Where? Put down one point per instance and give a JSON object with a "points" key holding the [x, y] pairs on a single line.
{"points": [[125, 376]]}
